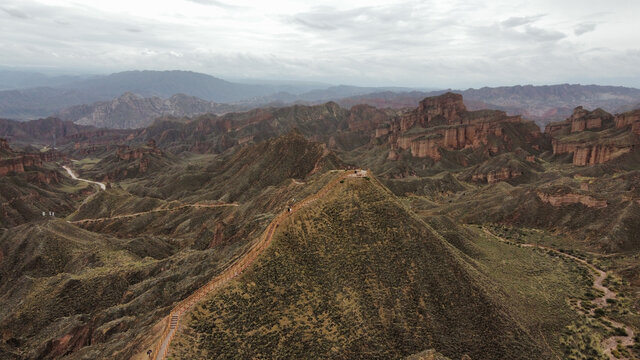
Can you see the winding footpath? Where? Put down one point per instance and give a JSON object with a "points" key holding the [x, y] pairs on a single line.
{"points": [[125, 216], [173, 320], [611, 343], [74, 177]]}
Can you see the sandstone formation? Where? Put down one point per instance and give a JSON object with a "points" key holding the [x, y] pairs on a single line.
{"points": [[598, 154], [126, 153], [495, 176], [556, 128], [629, 118], [443, 122], [590, 154], [582, 119], [16, 162], [602, 144], [568, 199]]}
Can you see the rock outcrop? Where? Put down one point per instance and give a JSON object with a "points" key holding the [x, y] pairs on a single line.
{"points": [[598, 154], [443, 122], [17, 162], [602, 144], [590, 154], [569, 199], [558, 127], [126, 153], [495, 176], [629, 118], [582, 119]]}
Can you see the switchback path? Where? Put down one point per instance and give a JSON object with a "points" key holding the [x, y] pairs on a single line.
{"points": [[74, 177], [124, 216], [611, 343], [173, 320]]}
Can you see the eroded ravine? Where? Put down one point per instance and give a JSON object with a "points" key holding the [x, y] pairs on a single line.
{"points": [[608, 344]]}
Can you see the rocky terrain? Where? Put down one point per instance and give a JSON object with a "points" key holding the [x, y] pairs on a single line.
{"points": [[443, 122], [448, 193], [595, 137]]}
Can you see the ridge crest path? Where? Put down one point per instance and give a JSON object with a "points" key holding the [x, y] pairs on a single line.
{"points": [[173, 319]]}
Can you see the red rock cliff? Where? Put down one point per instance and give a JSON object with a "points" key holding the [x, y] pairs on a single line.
{"points": [[443, 122], [16, 162]]}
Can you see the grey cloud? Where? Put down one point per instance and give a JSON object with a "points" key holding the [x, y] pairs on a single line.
{"points": [[15, 13], [385, 17], [369, 29], [215, 3], [540, 34], [584, 28], [408, 43], [520, 20]]}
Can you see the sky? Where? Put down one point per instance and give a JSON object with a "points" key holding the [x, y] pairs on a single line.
{"points": [[442, 44]]}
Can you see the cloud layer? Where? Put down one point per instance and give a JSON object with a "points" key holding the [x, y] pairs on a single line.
{"points": [[411, 43]]}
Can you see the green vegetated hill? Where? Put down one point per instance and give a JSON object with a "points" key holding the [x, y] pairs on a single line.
{"points": [[358, 275], [242, 172], [117, 276]]}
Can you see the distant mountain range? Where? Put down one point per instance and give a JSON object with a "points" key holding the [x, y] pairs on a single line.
{"points": [[543, 104], [52, 95], [130, 111], [99, 100]]}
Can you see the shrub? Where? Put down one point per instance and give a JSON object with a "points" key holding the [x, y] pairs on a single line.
{"points": [[619, 331]]}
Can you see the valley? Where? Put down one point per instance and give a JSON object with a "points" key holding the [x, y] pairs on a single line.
{"points": [[258, 234]]}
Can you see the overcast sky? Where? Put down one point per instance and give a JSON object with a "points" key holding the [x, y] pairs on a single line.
{"points": [[452, 43]]}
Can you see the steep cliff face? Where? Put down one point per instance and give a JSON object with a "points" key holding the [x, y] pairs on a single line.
{"points": [[598, 154], [629, 118], [605, 141], [16, 162], [583, 119], [443, 122], [443, 109], [557, 128]]}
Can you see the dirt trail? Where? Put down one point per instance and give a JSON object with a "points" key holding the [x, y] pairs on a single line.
{"points": [[173, 320], [74, 177], [610, 343], [124, 216]]}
